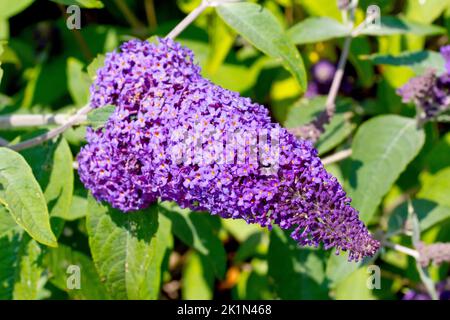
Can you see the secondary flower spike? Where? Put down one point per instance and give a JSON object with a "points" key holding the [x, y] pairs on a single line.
{"points": [[430, 92], [176, 136]]}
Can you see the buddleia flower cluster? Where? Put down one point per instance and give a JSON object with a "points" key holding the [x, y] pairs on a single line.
{"points": [[430, 92], [436, 253], [176, 136]]}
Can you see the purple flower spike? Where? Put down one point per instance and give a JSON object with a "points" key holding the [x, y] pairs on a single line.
{"points": [[176, 136]]}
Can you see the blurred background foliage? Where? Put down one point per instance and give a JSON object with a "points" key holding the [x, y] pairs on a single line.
{"points": [[47, 68]]}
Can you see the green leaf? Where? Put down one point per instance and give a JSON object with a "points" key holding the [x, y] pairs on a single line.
{"points": [[338, 268], [78, 208], [298, 273], [198, 279], [221, 42], [262, 29], [253, 283], [428, 212], [1, 70], [7, 222], [419, 61], [321, 8], [20, 269], [437, 158], [128, 249], [436, 187], [97, 63], [240, 229], [355, 287], [249, 247], [52, 166], [399, 25], [183, 227], [58, 261], [78, 82], [426, 11], [339, 128], [382, 148], [23, 197], [9, 8], [97, 117], [195, 230], [316, 29], [88, 4]]}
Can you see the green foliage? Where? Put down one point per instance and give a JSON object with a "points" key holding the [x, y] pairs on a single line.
{"points": [[382, 148], [9, 8], [22, 196], [312, 30], [196, 230], [297, 273], [128, 249], [78, 83], [399, 25], [419, 61], [198, 278], [259, 27]]}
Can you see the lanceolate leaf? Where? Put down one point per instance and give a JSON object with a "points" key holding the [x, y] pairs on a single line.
{"points": [[194, 229], [419, 61], [261, 28], [23, 197], [128, 249], [316, 29], [382, 148]]}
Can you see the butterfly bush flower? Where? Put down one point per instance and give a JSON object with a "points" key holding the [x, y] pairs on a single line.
{"points": [[436, 253], [176, 136], [430, 92]]}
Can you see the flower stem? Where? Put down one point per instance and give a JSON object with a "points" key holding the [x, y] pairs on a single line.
{"points": [[188, 20], [54, 132], [31, 120], [397, 247], [338, 156]]}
